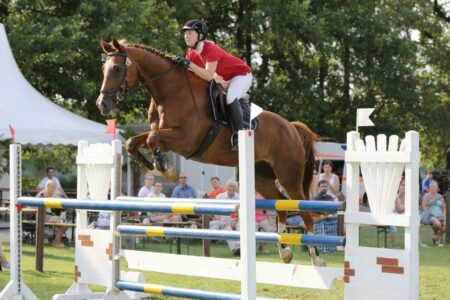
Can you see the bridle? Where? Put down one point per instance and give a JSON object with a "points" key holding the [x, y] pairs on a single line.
{"points": [[122, 90]]}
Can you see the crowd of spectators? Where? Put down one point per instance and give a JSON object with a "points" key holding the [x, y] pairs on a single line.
{"points": [[325, 187]]}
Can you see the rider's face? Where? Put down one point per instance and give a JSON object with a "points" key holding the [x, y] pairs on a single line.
{"points": [[190, 37]]}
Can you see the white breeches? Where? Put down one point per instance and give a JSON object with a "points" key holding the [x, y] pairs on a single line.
{"points": [[239, 86]]}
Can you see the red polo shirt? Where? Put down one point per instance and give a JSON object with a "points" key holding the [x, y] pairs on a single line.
{"points": [[228, 66]]}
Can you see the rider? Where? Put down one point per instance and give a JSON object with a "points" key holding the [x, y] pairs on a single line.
{"points": [[208, 61]]}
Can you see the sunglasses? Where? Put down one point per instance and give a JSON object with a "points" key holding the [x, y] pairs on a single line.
{"points": [[181, 177]]}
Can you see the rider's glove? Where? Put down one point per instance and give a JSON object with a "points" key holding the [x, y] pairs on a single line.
{"points": [[184, 62]]}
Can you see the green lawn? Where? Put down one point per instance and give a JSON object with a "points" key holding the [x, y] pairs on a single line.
{"points": [[58, 271]]}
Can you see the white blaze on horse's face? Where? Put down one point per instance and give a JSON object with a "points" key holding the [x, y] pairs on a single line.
{"points": [[113, 73]]}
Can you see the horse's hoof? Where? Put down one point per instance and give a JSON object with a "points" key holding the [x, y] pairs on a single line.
{"points": [[286, 254], [319, 262], [171, 174]]}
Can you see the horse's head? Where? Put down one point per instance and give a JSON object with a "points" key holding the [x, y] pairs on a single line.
{"points": [[118, 76]]}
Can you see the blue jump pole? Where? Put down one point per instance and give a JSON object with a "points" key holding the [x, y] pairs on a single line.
{"points": [[156, 289], [158, 207], [267, 204], [267, 237]]}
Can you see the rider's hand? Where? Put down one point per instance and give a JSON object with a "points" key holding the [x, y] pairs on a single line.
{"points": [[184, 62]]}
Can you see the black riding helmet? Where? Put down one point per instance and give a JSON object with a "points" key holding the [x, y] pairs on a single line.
{"points": [[198, 25]]}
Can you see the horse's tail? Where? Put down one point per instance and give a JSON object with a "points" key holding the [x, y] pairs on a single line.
{"points": [[308, 138]]}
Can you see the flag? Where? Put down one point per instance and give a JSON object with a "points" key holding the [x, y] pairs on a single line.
{"points": [[362, 117], [111, 127], [13, 133]]}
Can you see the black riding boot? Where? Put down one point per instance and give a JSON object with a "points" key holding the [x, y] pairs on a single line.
{"points": [[237, 122]]}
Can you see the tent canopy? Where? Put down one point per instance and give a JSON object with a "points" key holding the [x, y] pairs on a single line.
{"points": [[36, 119]]}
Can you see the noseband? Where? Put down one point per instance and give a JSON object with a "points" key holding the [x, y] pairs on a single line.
{"points": [[122, 89]]}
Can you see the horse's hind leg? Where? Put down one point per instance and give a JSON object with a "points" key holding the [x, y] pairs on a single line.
{"points": [[265, 184], [292, 183]]}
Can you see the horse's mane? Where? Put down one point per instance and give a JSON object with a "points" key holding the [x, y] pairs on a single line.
{"points": [[167, 56]]}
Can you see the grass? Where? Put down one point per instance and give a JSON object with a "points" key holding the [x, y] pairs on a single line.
{"points": [[58, 270]]}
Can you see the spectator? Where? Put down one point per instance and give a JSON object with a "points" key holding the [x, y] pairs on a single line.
{"points": [[49, 191], [51, 176], [3, 261], [399, 209], [184, 190], [227, 222], [328, 175], [323, 193], [157, 191], [159, 217], [216, 188], [263, 223], [426, 183], [434, 213], [147, 189]]}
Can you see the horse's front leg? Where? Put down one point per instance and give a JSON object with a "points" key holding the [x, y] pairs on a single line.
{"points": [[132, 146], [154, 141]]}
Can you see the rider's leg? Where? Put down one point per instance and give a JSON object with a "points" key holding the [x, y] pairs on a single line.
{"points": [[239, 86]]}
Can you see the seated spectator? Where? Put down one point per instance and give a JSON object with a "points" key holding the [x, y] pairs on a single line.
{"points": [[216, 188], [184, 190], [147, 189], [227, 222], [51, 176], [434, 212], [159, 217], [51, 216], [399, 209], [264, 223], [3, 261]]}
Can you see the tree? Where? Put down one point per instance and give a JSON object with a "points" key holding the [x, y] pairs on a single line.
{"points": [[314, 61], [56, 44]]}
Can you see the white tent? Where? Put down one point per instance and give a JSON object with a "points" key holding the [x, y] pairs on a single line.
{"points": [[36, 119]]}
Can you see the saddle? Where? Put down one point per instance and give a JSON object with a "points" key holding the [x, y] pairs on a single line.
{"points": [[221, 116], [220, 110]]}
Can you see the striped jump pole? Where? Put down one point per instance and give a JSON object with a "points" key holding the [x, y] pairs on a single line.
{"points": [[157, 289], [267, 204], [266, 237], [175, 208]]}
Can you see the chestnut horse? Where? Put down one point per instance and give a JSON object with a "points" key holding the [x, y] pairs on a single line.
{"points": [[180, 117]]}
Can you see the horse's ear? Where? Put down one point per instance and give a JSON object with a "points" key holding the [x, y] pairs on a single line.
{"points": [[117, 45], [107, 47]]}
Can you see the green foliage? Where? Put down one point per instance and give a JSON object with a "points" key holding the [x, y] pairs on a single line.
{"points": [[62, 158], [314, 61], [56, 44], [4, 155]]}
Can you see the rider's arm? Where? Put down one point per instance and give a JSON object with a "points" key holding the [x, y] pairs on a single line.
{"points": [[207, 73]]}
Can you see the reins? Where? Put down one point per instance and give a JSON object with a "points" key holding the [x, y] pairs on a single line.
{"points": [[122, 90]]}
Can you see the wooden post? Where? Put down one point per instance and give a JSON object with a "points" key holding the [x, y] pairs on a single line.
{"points": [[206, 243], [40, 225]]}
